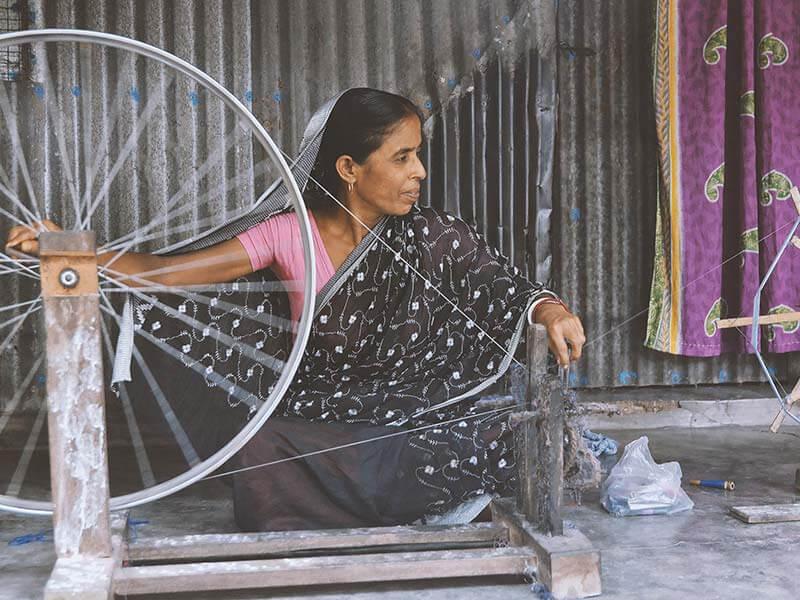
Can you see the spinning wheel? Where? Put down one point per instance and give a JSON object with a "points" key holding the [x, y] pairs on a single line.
{"points": [[94, 132]]}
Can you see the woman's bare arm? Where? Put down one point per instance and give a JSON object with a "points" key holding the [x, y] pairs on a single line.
{"points": [[220, 263]]}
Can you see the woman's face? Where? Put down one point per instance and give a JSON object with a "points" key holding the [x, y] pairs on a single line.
{"points": [[388, 181]]}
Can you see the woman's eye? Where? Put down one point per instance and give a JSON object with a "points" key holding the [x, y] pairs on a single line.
{"points": [[403, 158]]}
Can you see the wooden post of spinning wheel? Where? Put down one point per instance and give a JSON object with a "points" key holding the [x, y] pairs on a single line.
{"points": [[568, 564], [76, 418]]}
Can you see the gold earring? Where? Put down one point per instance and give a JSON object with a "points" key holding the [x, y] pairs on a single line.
{"points": [[350, 187]]}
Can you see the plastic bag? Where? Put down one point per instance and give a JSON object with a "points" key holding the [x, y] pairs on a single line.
{"points": [[639, 486]]}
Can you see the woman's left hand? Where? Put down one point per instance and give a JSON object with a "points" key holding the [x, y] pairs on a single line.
{"points": [[562, 327]]}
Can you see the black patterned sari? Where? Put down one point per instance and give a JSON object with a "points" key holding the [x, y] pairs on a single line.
{"points": [[413, 326]]}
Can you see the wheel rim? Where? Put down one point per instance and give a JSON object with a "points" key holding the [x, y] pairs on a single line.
{"points": [[207, 465]]}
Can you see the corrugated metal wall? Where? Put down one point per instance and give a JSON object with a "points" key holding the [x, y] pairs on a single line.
{"points": [[283, 59], [485, 71], [607, 197], [490, 149], [286, 57]]}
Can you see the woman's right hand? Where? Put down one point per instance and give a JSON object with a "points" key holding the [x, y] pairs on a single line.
{"points": [[26, 239], [220, 263]]}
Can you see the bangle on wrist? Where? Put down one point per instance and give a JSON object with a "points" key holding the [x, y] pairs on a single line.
{"points": [[549, 301]]}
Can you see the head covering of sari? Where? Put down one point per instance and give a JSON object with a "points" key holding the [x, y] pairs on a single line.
{"points": [[420, 318]]}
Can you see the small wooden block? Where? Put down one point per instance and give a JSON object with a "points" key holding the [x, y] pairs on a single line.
{"points": [[793, 397], [568, 564], [767, 513], [81, 578], [319, 570], [68, 250]]}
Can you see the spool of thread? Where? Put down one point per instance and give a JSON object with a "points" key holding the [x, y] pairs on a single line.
{"points": [[720, 484]]}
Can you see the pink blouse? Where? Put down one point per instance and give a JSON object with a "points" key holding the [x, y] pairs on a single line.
{"points": [[276, 243]]}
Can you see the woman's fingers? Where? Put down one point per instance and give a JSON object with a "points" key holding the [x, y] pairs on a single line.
{"points": [[25, 237], [577, 339], [564, 332], [559, 347], [30, 247], [19, 234], [50, 226]]}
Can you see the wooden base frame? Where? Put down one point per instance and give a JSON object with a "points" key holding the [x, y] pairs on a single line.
{"points": [[95, 560], [509, 545]]}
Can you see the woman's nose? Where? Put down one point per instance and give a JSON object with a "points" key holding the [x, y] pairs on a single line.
{"points": [[419, 171]]}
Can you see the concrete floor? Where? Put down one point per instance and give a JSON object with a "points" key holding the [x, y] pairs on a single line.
{"points": [[700, 554]]}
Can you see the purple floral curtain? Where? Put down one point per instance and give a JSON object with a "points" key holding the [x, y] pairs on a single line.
{"points": [[727, 93]]}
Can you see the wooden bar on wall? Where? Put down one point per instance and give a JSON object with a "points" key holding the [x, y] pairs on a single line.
{"points": [[787, 317]]}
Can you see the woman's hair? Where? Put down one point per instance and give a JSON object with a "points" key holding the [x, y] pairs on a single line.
{"points": [[357, 126]]}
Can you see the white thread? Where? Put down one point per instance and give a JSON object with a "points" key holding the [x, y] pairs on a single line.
{"points": [[358, 443]]}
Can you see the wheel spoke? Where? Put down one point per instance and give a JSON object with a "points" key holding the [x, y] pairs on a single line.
{"points": [[11, 120], [30, 445], [293, 285], [189, 453], [19, 204], [19, 305], [141, 124], [60, 134], [26, 384], [129, 240], [4, 270], [12, 259], [19, 320], [22, 267], [220, 381], [216, 156], [138, 238], [86, 112], [274, 363], [101, 152], [21, 257], [267, 319]]}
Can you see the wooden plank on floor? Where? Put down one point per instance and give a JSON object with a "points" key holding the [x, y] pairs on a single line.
{"points": [[318, 570], [276, 543], [767, 513]]}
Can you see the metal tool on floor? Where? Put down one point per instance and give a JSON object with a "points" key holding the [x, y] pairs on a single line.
{"points": [[720, 484]]}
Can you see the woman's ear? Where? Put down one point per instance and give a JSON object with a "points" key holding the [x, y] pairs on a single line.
{"points": [[347, 169]]}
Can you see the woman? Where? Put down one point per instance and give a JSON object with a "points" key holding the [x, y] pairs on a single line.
{"points": [[415, 315]]}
